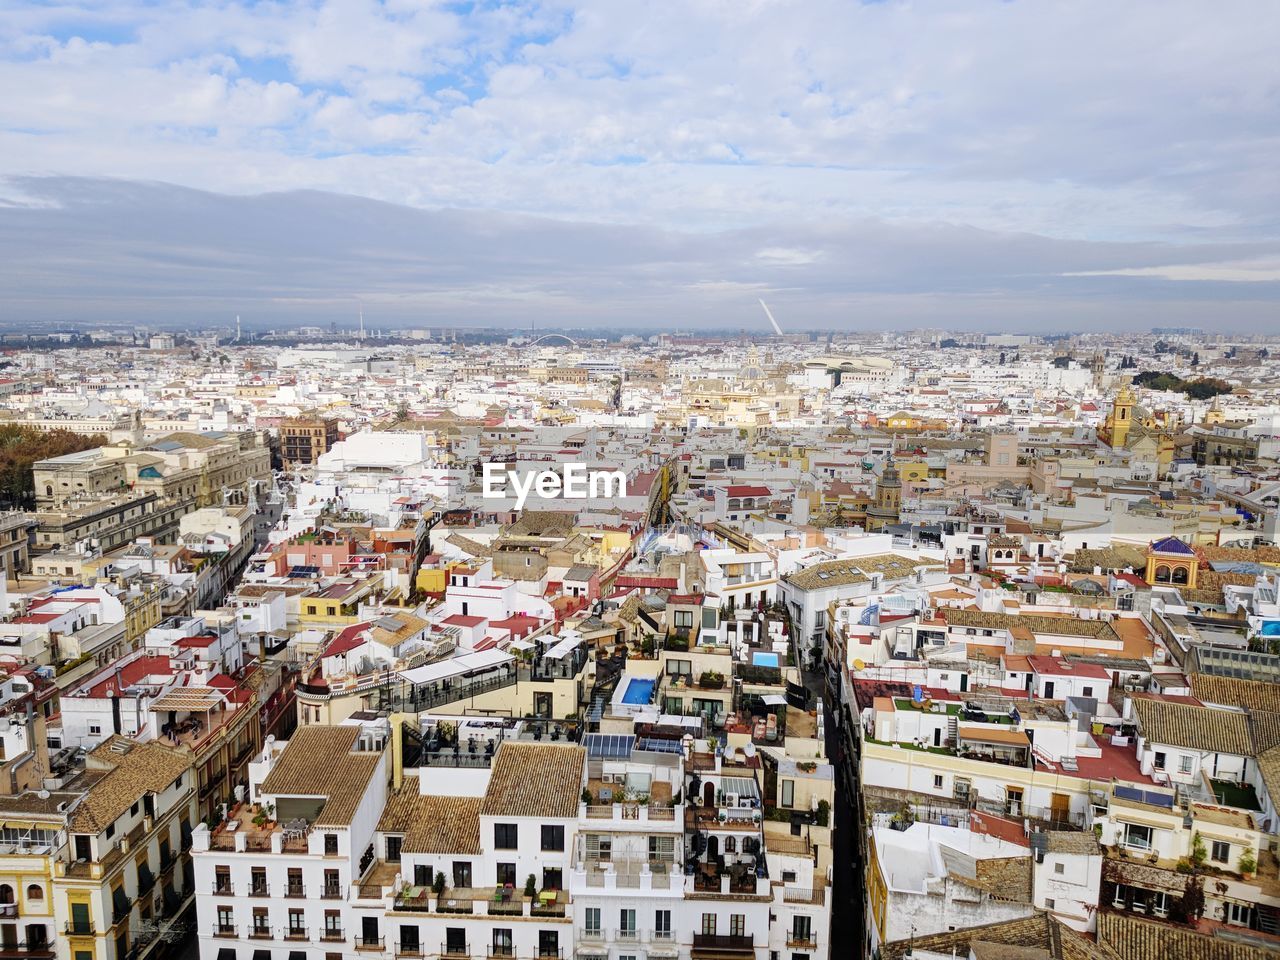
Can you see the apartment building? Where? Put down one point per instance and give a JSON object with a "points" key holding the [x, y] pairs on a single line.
{"points": [[304, 439], [123, 881]]}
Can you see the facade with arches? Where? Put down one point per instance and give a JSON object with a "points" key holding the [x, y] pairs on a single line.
{"points": [[1171, 562]]}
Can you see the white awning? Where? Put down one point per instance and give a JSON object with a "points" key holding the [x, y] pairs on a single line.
{"points": [[563, 647], [774, 700], [520, 645], [457, 666]]}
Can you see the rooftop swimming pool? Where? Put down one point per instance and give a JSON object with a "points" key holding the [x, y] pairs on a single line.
{"points": [[639, 691], [764, 659]]}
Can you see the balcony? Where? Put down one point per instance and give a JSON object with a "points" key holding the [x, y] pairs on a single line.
{"points": [[332, 935], [408, 949], [370, 943], [79, 928], [259, 888], [297, 933], [332, 892], [454, 950], [729, 942], [591, 935], [224, 929], [28, 948], [223, 888], [8, 910], [802, 942], [295, 891], [501, 951], [261, 933]]}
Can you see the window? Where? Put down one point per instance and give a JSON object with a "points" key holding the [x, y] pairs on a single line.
{"points": [[1220, 852], [937, 781], [507, 874], [788, 876], [548, 943], [503, 945], [333, 923], [662, 925], [552, 837], [1059, 868], [1137, 837], [330, 844], [35, 892], [1087, 691], [297, 922], [95, 729], [461, 873], [1160, 760], [627, 924], [221, 879], [505, 836], [393, 849], [684, 619], [261, 921], [709, 924], [1185, 764], [788, 793], [1050, 903], [737, 924], [801, 929], [592, 921], [552, 878], [258, 881], [226, 920], [662, 848]]}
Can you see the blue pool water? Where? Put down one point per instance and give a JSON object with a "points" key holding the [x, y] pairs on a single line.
{"points": [[1271, 628], [639, 691], [764, 659]]}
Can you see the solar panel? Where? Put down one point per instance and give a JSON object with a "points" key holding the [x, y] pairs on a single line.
{"points": [[1158, 799], [608, 746], [656, 745], [1129, 793]]}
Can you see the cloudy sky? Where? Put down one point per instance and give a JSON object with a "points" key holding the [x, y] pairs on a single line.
{"points": [[1016, 165]]}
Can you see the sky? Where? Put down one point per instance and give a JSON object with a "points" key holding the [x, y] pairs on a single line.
{"points": [[966, 164]]}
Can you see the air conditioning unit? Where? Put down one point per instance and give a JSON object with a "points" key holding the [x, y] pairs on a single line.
{"points": [[606, 778]]}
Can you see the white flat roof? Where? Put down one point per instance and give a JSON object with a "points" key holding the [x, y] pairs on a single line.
{"points": [[456, 666]]}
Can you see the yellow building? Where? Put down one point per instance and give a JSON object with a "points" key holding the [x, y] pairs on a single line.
{"points": [[1171, 561], [885, 510], [124, 883], [28, 848]]}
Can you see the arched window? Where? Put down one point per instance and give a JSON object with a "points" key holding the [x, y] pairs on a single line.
{"points": [[730, 845], [1180, 575], [35, 892], [6, 893], [1162, 574]]}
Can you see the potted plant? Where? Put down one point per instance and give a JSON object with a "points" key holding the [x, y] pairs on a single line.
{"points": [[530, 886], [586, 796], [437, 885], [1247, 864], [1198, 852]]}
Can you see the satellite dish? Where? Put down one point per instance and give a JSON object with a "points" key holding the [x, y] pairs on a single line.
{"points": [[43, 794]]}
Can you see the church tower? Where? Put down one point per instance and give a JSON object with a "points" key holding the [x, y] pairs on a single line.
{"points": [[1120, 419], [1099, 367], [888, 502]]}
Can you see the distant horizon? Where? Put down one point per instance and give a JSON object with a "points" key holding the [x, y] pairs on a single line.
{"points": [[860, 166]]}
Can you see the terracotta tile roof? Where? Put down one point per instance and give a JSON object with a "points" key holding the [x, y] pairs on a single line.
{"points": [[1235, 692], [131, 769], [1193, 727], [535, 780], [432, 824], [322, 762], [1037, 931], [1129, 938]]}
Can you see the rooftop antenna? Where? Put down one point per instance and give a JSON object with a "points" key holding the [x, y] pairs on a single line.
{"points": [[237, 328], [768, 313], [360, 307]]}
